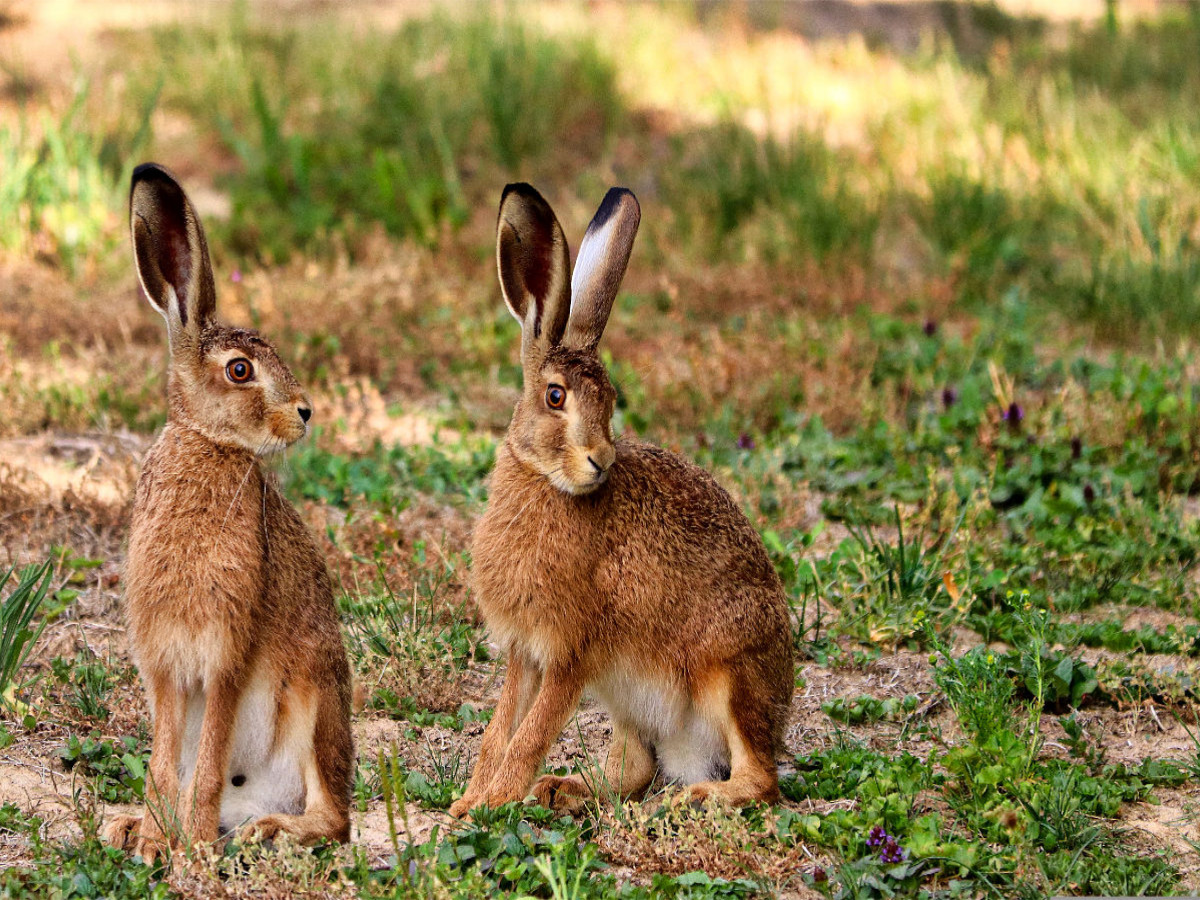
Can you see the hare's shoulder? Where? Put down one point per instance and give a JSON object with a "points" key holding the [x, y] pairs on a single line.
{"points": [[665, 483], [675, 516]]}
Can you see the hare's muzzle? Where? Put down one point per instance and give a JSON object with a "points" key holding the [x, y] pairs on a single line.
{"points": [[600, 460]]}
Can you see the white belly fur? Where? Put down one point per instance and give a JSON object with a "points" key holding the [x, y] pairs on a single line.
{"points": [[274, 781], [688, 745]]}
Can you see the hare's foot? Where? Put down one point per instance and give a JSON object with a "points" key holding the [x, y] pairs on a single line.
{"points": [[121, 831], [630, 766], [751, 784], [560, 794], [145, 837], [150, 849], [270, 827], [306, 829], [462, 807]]}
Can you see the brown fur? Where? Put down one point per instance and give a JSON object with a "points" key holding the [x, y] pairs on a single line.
{"points": [[228, 600], [638, 578]]}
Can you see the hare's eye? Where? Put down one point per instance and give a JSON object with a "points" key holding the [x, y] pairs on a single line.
{"points": [[239, 371], [556, 397]]}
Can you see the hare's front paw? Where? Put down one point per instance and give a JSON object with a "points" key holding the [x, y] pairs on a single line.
{"points": [[120, 831], [204, 825], [461, 807], [149, 849], [567, 795], [703, 791]]}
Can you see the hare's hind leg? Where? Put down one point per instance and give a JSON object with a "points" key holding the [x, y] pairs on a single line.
{"points": [[328, 761], [735, 706]]}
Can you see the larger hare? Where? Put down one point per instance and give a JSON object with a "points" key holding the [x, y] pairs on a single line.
{"points": [[611, 565], [231, 614]]}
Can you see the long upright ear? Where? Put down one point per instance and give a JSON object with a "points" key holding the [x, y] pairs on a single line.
{"points": [[534, 262], [600, 266], [170, 252]]}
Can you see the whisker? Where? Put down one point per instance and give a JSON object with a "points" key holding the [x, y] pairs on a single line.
{"points": [[513, 520], [266, 520], [238, 492]]}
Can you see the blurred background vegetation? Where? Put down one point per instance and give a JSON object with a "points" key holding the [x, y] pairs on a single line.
{"points": [[928, 159]]}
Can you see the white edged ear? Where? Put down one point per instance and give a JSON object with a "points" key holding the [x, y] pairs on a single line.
{"points": [[600, 266], [533, 260], [170, 253]]}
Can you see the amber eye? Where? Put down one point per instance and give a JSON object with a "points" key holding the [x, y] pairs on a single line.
{"points": [[556, 397], [239, 371]]}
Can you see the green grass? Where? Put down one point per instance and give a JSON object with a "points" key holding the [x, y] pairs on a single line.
{"points": [[18, 630]]}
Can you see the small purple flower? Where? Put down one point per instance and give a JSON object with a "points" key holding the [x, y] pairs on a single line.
{"points": [[949, 397], [819, 875], [412, 869], [892, 852], [745, 442], [931, 327], [1014, 415], [236, 276], [1076, 447], [1089, 494]]}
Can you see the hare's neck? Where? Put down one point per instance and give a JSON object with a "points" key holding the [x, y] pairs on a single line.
{"points": [[508, 460], [515, 480], [194, 456]]}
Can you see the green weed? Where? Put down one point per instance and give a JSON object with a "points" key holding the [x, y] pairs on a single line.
{"points": [[385, 478], [117, 772], [795, 189], [18, 633]]}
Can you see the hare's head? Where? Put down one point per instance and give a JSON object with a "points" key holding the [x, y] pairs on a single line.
{"points": [[562, 426], [226, 383]]}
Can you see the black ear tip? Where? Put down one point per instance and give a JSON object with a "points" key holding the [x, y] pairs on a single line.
{"points": [[152, 171], [521, 189], [614, 200]]}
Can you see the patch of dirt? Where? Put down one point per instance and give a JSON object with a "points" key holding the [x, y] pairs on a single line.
{"points": [[1170, 825], [67, 491]]}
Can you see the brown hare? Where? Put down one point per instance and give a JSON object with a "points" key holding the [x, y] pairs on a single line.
{"points": [[613, 566], [231, 616]]}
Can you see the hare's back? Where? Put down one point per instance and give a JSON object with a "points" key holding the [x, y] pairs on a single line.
{"points": [[300, 590], [680, 535]]}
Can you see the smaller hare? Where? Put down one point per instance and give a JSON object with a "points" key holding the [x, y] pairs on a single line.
{"points": [[231, 616], [611, 565]]}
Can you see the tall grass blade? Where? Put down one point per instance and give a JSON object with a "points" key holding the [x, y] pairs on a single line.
{"points": [[17, 633]]}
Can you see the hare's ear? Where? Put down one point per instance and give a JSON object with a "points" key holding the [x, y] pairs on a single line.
{"points": [[600, 266], [534, 262], [170, 252]]}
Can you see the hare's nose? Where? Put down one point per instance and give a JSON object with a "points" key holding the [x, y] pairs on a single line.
{"points": [[305, 412]]}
